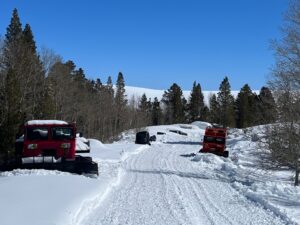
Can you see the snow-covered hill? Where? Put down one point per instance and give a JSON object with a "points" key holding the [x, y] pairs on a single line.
{"points": [[152, 93], [168, 182]]}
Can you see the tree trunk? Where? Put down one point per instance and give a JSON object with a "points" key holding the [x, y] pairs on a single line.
{"points": [[297, 177]]}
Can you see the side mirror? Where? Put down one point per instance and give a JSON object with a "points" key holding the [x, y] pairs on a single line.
{"points": [[79, 134]]}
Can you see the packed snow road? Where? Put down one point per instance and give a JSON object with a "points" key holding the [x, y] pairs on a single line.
{"points": [[165, 183], [161, 185]]}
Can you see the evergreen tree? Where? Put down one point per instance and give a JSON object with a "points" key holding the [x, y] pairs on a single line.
{"points": [[185, 110], [28, 39], [12, 115], [196, 104], [120, 104], [267, 106], [13, 37], [33, 92], [143, 106], [144, 111], [173, 100], [226, 103], [214, 110], [156, 112], [98, 84], [11, 91], [46, 108], [110, 89], [245, 108]]}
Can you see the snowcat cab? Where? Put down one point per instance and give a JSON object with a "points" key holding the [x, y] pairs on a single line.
{"points": [[50, 144], [214, 141], [49, 138]]}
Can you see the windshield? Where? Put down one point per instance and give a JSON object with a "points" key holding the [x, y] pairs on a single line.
{"points": [[37, 133], [59, 133], [218, 140], [209, 139]]}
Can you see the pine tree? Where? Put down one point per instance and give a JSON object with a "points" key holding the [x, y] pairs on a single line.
{"points": [[120, 104], [226, 103], [144, 111], [47, 105], [11, 91], [156, 112], [12, 116], [13, 51], [143, 106], [196, 104], [98, 84], [110, 89], [28, 39], [33, 92], [214, 109], [245, 108], [173, 100], [267, 106], [13, 34]]}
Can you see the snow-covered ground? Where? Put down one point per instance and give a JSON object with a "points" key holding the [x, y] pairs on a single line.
{"points": [[168, 182]]}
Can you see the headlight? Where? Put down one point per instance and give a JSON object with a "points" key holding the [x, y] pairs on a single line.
{"points": [[32, 146], [65, 145]]}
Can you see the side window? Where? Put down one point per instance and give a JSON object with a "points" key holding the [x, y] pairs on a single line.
{"points": [[59, 133]]}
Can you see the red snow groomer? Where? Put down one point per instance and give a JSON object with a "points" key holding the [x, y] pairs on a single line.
{"points": [[50, 144], [214, 141]]}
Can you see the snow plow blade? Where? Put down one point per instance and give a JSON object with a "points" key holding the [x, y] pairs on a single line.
{"points": [[81, 165]]}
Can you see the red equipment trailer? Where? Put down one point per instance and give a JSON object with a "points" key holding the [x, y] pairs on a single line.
{"points": [[214, 141], [50, 144]]}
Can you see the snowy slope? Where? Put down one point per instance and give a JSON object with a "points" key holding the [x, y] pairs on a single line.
{"points": [[168, 182], [152, 93]]}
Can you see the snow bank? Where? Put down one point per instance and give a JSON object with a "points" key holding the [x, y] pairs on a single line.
{"points": [[81, 144], [202, 125], [53, 197], [273, 190]]}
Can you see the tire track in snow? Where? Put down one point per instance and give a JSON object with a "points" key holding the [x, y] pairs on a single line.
{"points": [[161, 187], [205, 191], [187, 189], [131, 201], [88, 206]]}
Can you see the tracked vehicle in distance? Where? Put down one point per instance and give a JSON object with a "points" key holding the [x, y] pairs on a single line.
{"points": [[214, 141]]}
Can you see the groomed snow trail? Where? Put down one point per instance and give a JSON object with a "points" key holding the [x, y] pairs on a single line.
{"points": [[162, 186]]}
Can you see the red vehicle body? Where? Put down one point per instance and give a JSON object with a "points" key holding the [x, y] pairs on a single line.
{"points": [[214, 141], [46, 140], [49, 138]]}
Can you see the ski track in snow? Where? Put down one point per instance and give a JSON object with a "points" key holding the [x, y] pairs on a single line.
{"points": [[160, 186]]}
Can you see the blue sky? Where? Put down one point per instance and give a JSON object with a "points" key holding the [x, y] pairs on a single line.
{"points": [[155, 43]]}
